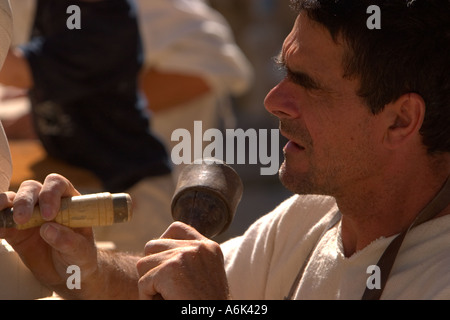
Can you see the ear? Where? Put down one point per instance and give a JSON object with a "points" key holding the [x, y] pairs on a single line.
{"points": [[404, 120]]}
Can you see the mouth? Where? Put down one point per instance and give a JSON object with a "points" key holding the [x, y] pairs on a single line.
{"points": [[291, 145]]}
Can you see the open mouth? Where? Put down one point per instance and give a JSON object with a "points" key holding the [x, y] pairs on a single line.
{"points": [[292, 146]]}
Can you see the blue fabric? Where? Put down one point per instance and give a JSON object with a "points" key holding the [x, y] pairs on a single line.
{"points": [[86, 105]]}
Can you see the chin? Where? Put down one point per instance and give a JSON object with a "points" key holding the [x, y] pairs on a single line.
{"points": [[301, 182], [295, 182]]}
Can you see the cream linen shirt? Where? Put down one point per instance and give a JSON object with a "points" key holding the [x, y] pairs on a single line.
{"points": [[264, 262]]}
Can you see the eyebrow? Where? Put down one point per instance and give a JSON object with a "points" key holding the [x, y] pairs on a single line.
{"points": [[298, 77]]}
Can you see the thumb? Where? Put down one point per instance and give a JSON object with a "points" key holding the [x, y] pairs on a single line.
{"points": [[72, 246]]}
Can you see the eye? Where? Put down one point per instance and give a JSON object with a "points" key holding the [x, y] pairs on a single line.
{"points": [[299, 78], [302, 80]]}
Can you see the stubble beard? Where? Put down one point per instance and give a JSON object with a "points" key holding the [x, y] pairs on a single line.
{"points": [[312, 181], [303, 183]]}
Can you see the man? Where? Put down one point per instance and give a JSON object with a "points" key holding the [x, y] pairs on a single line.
{"points": [[366, 113]]}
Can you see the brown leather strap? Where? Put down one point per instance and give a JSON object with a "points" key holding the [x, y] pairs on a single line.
{"points": [[387, 260]]}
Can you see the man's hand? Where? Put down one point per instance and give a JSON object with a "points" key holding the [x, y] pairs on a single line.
{"points": [[48, 250], [182, 264]]}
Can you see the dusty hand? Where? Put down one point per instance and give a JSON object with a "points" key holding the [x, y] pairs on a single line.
{"points": [[182, 264], [48, 250]]}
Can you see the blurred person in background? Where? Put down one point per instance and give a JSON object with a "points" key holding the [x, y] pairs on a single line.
{"points": [[192, 67], [87, 109]]}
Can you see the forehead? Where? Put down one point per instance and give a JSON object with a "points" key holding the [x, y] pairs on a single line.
{"points": [[310, 48]]}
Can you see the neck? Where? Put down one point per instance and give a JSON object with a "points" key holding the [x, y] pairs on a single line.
{"points": [[372, 211]]}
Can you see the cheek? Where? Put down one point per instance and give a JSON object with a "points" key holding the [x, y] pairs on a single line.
{"points": [[338, 142], [358, 149]]}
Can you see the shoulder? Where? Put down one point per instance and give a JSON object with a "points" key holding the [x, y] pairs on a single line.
{"points": [[421, 270], [298, 211], [271, 248]]}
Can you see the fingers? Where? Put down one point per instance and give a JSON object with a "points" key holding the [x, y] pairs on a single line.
{"points": [[48, 195], [182, 231], [195, 271], [25, 200], [54, 188], [50, 249], [6, 201], [152, 268], [182, 264]]}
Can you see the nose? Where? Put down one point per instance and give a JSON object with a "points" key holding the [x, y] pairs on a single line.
{"points": [[282, 102]]}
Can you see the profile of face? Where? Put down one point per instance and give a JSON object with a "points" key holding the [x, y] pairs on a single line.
{"points": [[333, 136]]}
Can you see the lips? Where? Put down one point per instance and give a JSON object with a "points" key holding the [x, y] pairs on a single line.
{"points": [[291, 144]]}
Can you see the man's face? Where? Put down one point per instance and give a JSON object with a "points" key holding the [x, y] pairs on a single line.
{"points": [[332, 135]]}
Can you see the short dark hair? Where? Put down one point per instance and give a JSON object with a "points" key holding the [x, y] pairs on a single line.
{"points": [[410, 53]]}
